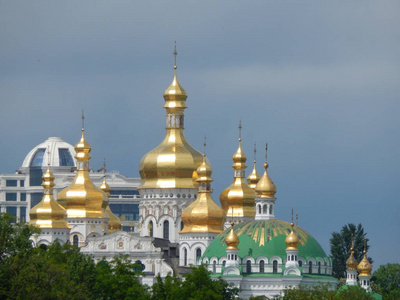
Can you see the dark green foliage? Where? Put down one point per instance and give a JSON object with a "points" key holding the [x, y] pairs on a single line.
{"points": [[340, 247], [386, 280], [197, 285]]}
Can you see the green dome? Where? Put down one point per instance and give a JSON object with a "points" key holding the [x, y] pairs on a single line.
{"points": [[265, 238]]}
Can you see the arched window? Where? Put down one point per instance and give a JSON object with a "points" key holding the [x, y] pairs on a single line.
{"points": [[150, 228], [265, 209], [300, 263], [262, 266], [248, 267], [214, 267], [224, 263], [275, 266], [166, 230], [181, 225], [184, 256], [310, 267], [292, 257], [75, 240], [319, 267], [198, 253], [259, 209], [270, 210]]}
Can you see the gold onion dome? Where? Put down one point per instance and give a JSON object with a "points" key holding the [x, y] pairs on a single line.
{"points": [[113, 223], [174, 162], [82, 199], [238, 199], [203, 215], [265, 187], [48, 213], [232, 240], [351, 262], [364, 267], [254, 177], [292, 240]]}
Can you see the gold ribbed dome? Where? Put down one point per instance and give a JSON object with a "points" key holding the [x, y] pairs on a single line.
{"points": [[351, 262], [232, 240], [174, 162], [237, 200], [265, 187], [254, 177], [48, 213], [364, 267], [292, 240], [203, 215], [113, 223], [82, 198]]}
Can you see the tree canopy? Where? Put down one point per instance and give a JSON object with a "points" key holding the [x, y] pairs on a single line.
{"points": [[387, 279], [340, 247]]}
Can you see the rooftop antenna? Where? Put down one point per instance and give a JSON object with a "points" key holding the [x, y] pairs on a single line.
{"points": [[175, 54]]}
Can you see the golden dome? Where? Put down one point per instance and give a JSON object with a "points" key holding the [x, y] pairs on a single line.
{"points": [[174, 162], [265, 187], [364, 267], [351, 262], [292, 240], [203, 215], [238, 199], [232, 240], [82, 198], [254, 177], [113, 223], [48, 213]]}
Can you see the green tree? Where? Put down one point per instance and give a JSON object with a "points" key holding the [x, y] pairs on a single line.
{"points": [[197, 285], [340, 247], [318, 292], [387, 277]]}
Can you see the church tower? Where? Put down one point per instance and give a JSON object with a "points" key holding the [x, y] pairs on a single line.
{"points": [[265, 199], [168, 172], [203, 220], [84, 202], [49, 216], [351, 270], [237, 200], [364, 271]]}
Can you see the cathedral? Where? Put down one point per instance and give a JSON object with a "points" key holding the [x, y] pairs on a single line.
{"points": [[180, 224]]}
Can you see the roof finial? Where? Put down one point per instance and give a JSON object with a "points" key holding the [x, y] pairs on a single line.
{"points": [[48, 156], [104, 166], [297, 219], [83, 121], [266, 151], [175, 54], [255, 151], [205, 145], [240, 129], [292, 215]]}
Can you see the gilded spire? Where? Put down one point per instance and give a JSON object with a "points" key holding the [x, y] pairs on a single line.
{"points": [[82, 198], [113, 223], [351, 262], [364, 267], [203, 215], [254, 177], [292, 240], [239, 197], [265, 188], [174, 162], [48, 213], [232, 240]]}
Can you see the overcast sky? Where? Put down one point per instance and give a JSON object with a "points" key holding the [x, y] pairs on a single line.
{"points": [[317, 80]]}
